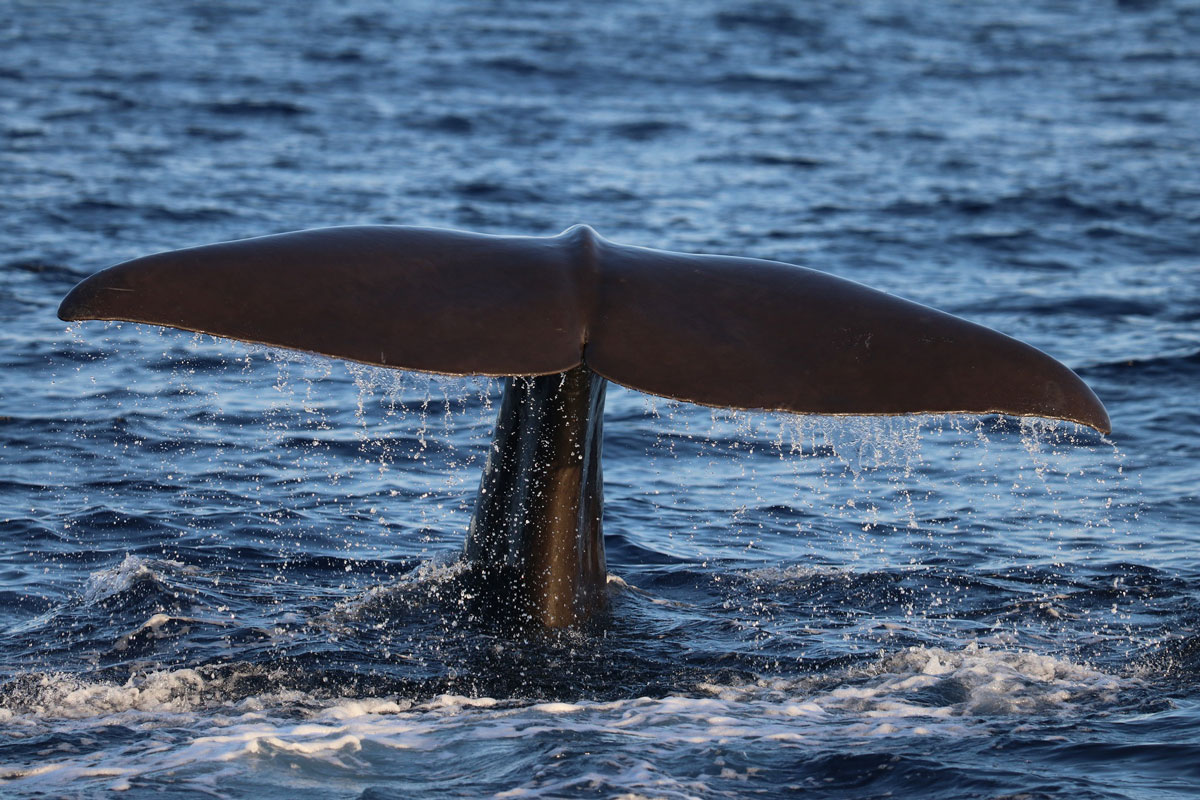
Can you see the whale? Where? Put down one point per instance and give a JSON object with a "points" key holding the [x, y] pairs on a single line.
{"points": [[558, 317]]}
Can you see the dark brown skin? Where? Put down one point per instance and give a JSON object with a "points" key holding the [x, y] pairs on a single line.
{"points": [[716, 330], [535, 543], [575, 309]]}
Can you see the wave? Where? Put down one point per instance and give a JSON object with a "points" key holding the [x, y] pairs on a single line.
{"points": [[1090, 306], [1160, 367], [1029, 204], [771, 20], [493, 192], [642, 130], [257, 108], [188, 727]]}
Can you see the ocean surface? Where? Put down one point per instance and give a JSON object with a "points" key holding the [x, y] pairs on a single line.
{"points": [[228, 571]]}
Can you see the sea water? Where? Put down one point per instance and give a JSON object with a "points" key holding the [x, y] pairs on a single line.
{"points": [[229, 571]]}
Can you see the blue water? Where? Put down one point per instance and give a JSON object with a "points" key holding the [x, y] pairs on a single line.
{"points": [[228, 571]]}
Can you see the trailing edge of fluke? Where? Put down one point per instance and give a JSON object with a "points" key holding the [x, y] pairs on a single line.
{"points": [[716, 330]]}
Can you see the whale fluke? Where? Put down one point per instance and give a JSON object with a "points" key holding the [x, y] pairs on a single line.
{"points": [[716, 330], [558, 316]]}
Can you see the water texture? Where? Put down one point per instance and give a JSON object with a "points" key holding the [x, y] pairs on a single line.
{"points": [[230, 571]]}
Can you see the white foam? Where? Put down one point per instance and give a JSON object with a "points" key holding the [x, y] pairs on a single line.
{"points": [[111, 580], [557, 708], [919, 691], [68, 696]]}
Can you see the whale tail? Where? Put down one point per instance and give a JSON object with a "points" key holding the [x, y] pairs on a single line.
{"points": [[564, 314], [716, 330]]}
